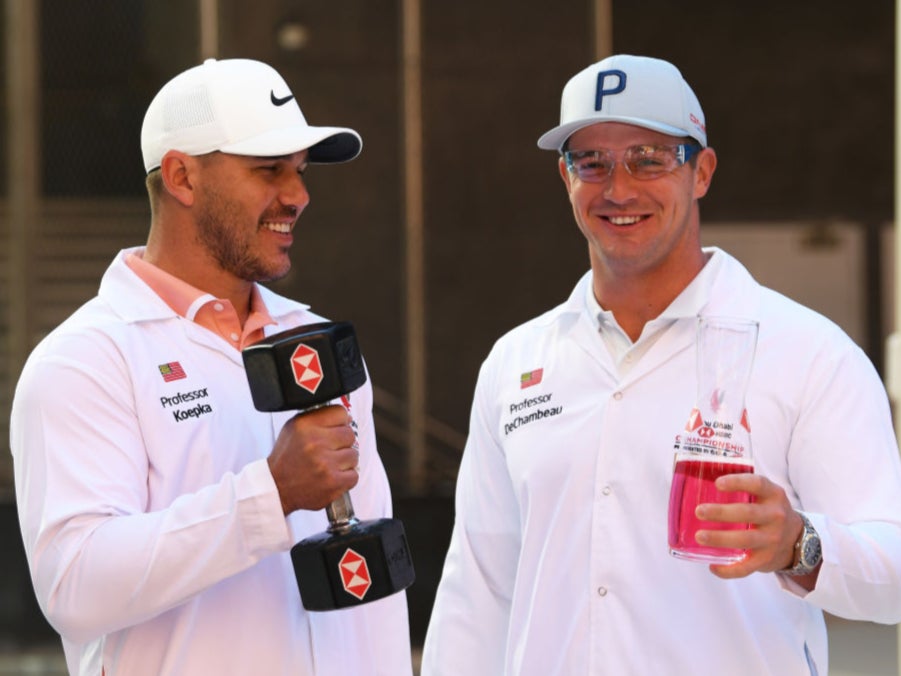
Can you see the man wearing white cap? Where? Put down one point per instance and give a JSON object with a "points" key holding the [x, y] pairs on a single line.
{"points": [[157, 506], [559, 561]]}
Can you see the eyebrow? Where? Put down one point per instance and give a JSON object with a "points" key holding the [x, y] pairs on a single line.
{"points": [[268, 158]]}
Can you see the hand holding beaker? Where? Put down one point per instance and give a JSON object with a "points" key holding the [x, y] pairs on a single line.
{"points": [[716, 439]]}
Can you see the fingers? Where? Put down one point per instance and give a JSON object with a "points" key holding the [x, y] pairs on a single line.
{"points": [[315, 459], [346, 460], [733, 571], [734, 512], [773, 526], [755, 484], [333, 415]]}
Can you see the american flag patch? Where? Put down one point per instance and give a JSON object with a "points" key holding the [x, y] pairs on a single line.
{"points": [[172, 371], [530, 378]]}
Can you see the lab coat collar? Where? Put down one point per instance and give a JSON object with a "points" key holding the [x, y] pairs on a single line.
{"points": [[703, 296], [700, 296]]}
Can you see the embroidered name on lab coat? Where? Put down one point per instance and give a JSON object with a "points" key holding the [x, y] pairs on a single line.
{"points": [[186, 413], [529, 410]]}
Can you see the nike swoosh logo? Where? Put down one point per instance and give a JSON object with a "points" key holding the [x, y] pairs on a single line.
{"points": [[276, 101]]}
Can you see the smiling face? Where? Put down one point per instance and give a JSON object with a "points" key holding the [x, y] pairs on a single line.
{"points": [[639, 229], [246, 209]]}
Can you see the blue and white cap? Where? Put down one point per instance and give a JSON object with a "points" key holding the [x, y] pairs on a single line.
{"points": [[639, 90]]}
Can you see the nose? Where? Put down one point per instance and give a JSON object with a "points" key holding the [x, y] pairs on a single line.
{"points": [[620, 186], [293, 192]]}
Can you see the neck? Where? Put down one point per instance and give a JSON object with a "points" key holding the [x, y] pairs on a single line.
{"points": [[205, 275], [636, 299]]}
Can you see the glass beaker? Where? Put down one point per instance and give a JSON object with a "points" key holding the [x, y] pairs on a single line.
{"points": [[716, 439]]}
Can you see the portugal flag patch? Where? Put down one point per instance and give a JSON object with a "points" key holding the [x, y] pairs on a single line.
{"points": [[530, 378]]}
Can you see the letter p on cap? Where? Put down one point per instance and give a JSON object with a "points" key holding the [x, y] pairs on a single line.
{"points": [[601, 92]]}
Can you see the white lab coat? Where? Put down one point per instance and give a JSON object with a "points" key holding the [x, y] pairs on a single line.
{"points": [[558, 562], [152, 525]]}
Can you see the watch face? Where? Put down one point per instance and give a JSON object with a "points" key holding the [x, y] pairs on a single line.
{"points": [[811, 554]]}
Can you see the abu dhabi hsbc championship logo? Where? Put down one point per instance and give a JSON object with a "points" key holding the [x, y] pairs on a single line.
{"points": [[307, 368], [696, 424], [694, 420], [354, 574]]}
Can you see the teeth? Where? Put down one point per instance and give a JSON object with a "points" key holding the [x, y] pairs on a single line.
{"points": [[624, 220], [283, 228]]}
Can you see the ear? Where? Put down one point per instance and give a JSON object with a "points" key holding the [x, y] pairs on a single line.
{"points": [[176, 170], [564, 174], [704, 172]]}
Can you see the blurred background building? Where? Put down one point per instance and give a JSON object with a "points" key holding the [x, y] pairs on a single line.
{"points": [[451, 227]]}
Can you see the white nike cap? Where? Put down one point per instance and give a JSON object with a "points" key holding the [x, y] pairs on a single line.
{"points": [[236, 106], [637, 90]]}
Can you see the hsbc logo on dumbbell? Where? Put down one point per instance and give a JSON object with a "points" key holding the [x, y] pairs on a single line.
{"points": [[307, 368], [354, 570], [354, 574]]}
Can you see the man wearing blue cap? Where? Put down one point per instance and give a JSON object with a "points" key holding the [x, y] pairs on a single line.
{"points": [[559, 561], [157, 506]]}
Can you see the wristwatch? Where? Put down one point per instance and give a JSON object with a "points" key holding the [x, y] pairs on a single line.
{"points": [[808, 552]]}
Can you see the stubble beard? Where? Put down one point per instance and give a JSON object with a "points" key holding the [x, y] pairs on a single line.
{"points": [[223, 233]]}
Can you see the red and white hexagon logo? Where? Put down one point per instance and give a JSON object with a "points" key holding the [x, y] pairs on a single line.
{"points": [[307, 369], [354, 574]]}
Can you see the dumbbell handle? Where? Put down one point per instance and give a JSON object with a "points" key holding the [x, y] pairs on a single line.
{"points": [[340, 514]]}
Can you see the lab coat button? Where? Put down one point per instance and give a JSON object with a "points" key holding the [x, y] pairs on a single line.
{"points": [[617, 395], [606, 490], [602, 591]]}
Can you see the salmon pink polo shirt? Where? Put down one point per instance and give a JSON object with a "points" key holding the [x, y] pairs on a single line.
{"points": [[216, 314]]}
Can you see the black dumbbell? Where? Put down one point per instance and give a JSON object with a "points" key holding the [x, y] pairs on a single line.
{"points": [[352, 562]]}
